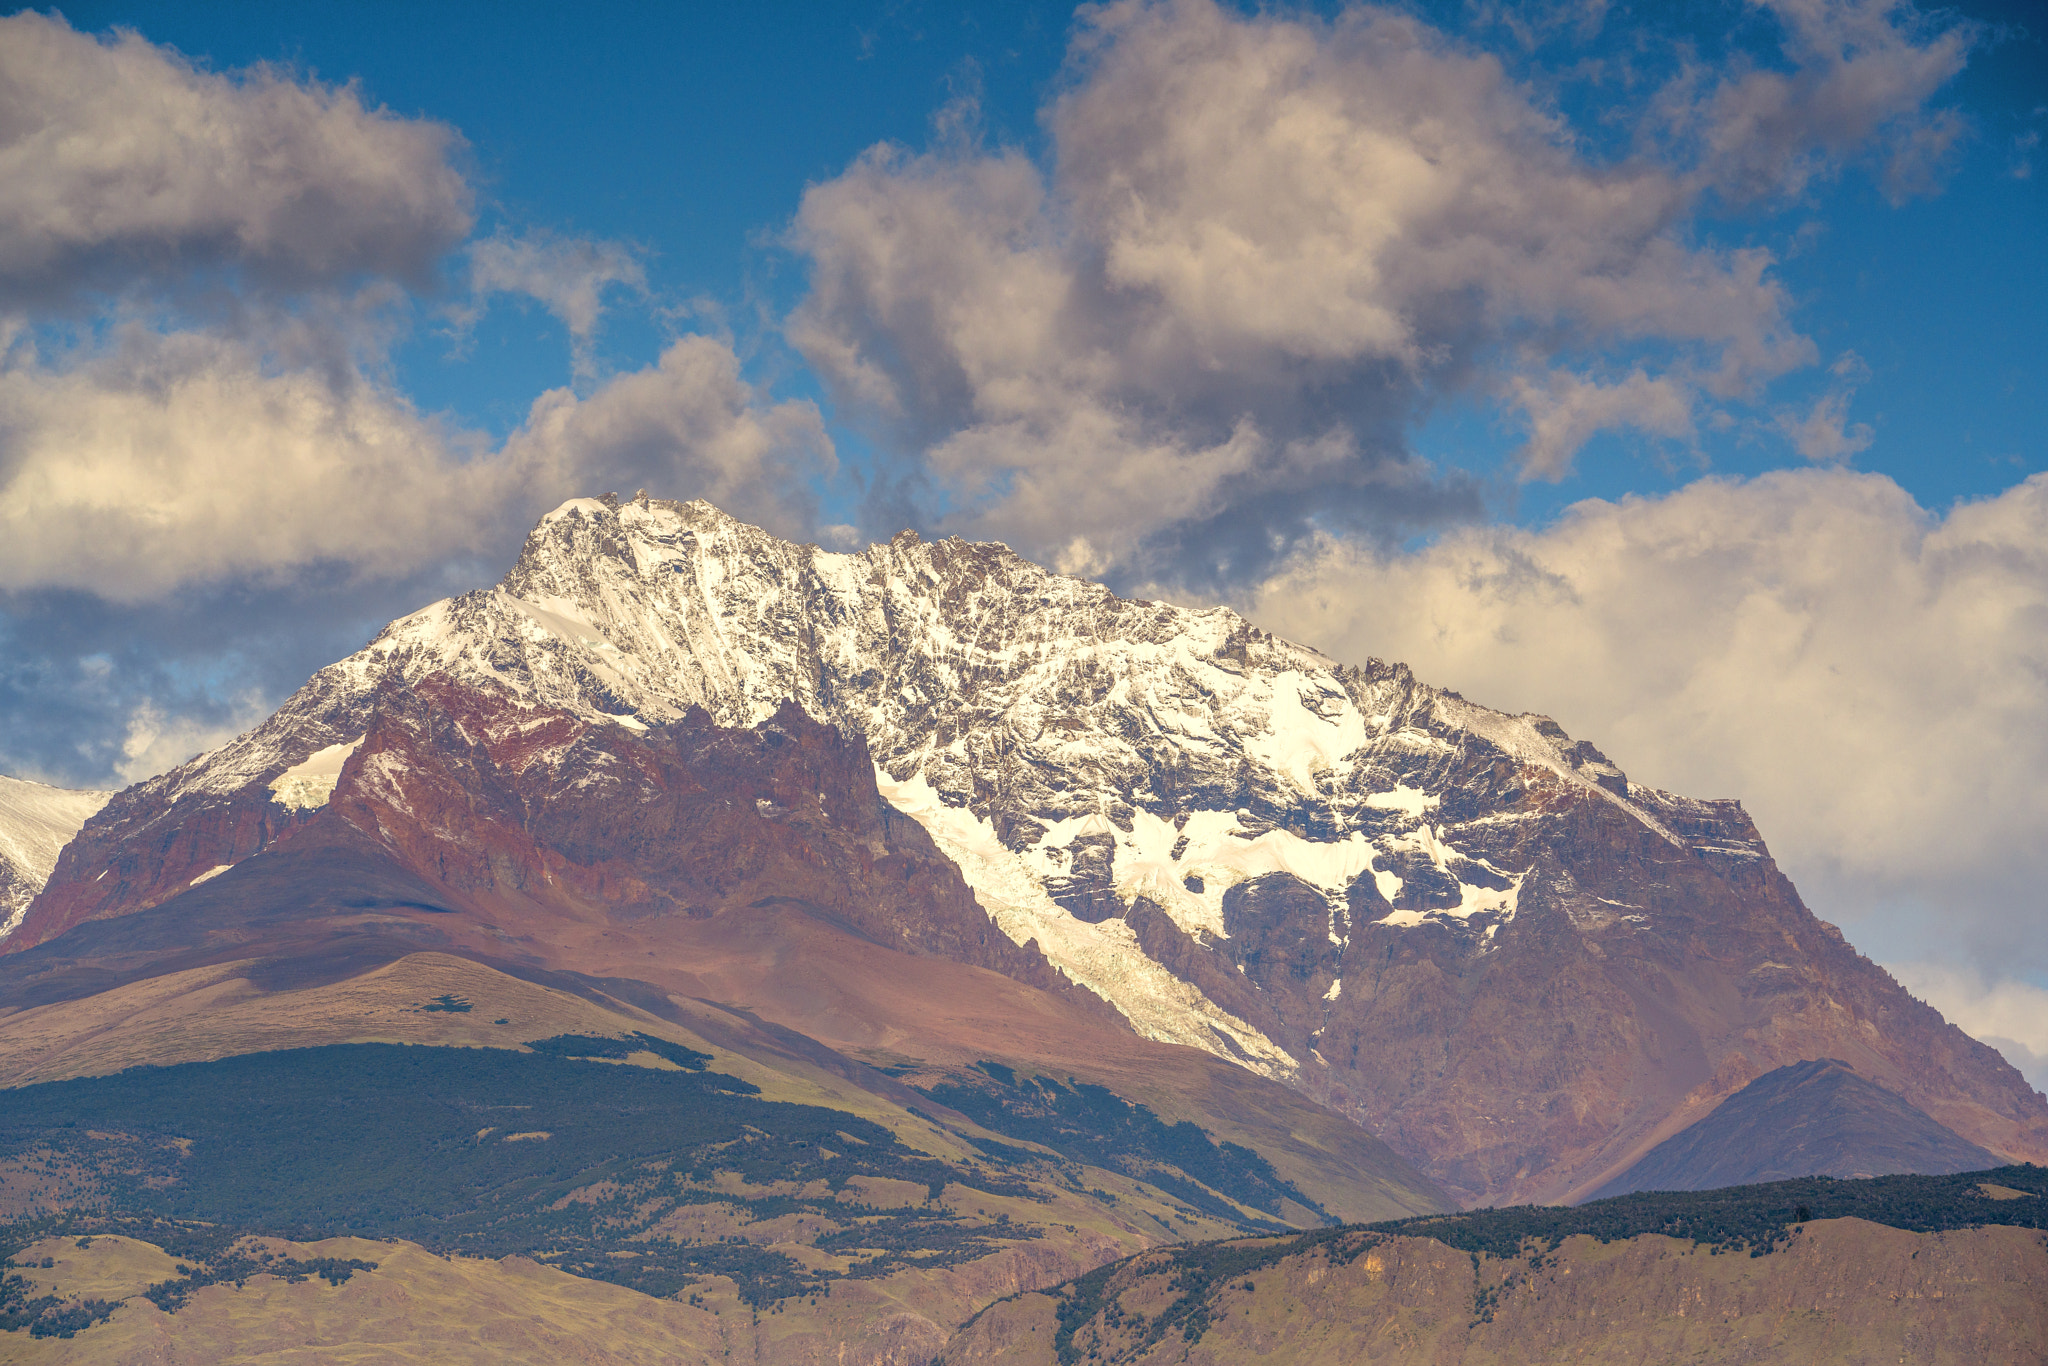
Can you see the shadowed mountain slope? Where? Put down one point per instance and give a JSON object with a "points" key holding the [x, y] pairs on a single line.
{"points": [[1809, 1119]]}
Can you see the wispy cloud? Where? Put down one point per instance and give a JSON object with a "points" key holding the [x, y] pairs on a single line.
{"points": [[156, 741], [1857, 81], [1565, 410], [1823, 432], [2023, 145], [567, 275]]}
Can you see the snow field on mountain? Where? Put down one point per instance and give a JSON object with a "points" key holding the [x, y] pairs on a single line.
{"points": [[1104, 958], [37, 821], [1311, 728], [307, 786], [1412, 802], [1220, 852]]}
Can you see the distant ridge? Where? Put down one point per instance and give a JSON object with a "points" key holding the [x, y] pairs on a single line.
{"points": [[1813, 1118]]}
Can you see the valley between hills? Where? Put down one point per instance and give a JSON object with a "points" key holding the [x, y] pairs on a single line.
{"points": [[706, 947]]}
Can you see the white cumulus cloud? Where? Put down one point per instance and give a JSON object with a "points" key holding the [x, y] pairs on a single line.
{"points": [[182, 457], [187, 458], [688, 426], [1265, 245], [126, 163]]}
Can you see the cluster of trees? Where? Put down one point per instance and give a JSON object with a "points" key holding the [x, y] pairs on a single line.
{"points": [[44, 1316], [1753, 1219], [1746, 1219]]}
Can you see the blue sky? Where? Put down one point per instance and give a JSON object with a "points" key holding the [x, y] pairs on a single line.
{"points": [[691, 132], [1674, 370]]}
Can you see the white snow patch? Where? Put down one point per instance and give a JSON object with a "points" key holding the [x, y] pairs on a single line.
{"points": [[589, 507], [307, 786], [1219, 852], [1411, 801], [1104, 958], [210, 873], [1336, 990], [1311, 728], [37, 821], [1471, 901]]}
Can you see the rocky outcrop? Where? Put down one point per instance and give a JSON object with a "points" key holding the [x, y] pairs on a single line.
{"points": [[1466, 930]]}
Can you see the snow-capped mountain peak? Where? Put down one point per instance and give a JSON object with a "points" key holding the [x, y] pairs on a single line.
{"points": [[1071, 749], [1394, 898]]}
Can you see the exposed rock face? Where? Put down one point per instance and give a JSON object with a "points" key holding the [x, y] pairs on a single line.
{"points": [[1464, 929], [684, 819], [1809, 1119], [35, 822]]}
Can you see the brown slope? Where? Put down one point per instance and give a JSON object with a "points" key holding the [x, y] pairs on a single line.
{"points": [[150, 842], [415, 1306], [213, 1012]]}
